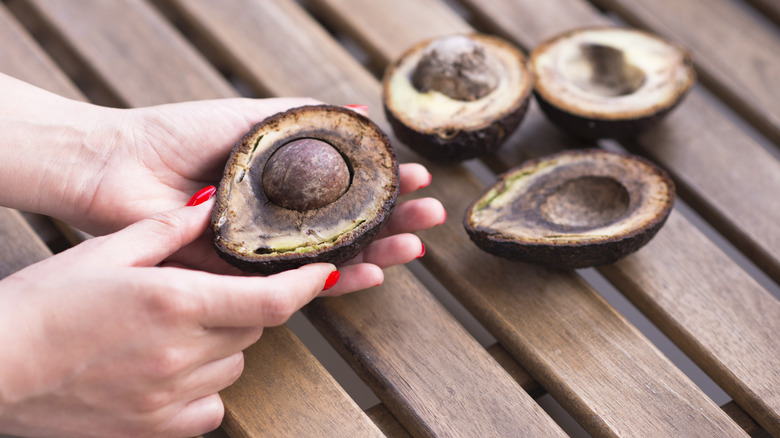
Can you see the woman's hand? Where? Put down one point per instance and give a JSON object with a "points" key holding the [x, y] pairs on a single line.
{"points": [[106, 343], [168, 152]]}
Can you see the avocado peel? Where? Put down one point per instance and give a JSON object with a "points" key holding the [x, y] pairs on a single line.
{"points": [[574, 209], [260, 235]]}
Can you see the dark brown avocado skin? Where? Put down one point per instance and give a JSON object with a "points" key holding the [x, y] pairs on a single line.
{"points": [[593, 129], [336, 253], [565, 256], [569, 256], [462, 144]]}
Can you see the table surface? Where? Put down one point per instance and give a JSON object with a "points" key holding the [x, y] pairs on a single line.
{"points": [[708, 280]]}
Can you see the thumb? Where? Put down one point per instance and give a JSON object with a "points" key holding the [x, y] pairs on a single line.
{"points": [[152, 240]]}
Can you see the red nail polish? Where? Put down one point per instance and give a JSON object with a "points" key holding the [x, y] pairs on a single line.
{"points": [[201, 196], [422, 253], [333, 278], [359, 108]]}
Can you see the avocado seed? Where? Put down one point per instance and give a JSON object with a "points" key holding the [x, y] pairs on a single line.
{"points": [[457, 66], [305, 174]]}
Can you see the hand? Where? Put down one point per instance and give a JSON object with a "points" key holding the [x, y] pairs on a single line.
{"points": [[104, 343], [168, 152]]}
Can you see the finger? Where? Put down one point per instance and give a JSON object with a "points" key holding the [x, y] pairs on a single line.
{"points": [[390, 251], [356, 277], [150, 241], [222, 342], [360, 109], [415, 215], [413, 176], [213, 376], [197, 417], [232, 301]]}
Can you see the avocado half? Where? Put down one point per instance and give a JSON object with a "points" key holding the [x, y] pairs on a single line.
{"points": [[311, 184], [608, 82], [457, 97], [573, 209]]}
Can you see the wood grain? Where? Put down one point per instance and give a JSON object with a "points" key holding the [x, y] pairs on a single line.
{"points": [[735, 53], [538, 333], [286, 391], [736, 347]]}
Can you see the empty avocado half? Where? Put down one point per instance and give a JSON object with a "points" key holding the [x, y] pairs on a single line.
{"points": [[572, 210], [609, 82], [312, 184], [457, 97]]}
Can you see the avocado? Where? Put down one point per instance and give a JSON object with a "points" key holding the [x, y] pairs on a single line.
{"points": [[609, 82], [574, 209], [457, 97], [311, 184]]}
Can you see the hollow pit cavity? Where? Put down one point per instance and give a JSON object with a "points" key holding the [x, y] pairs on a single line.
{"points": [[589, 201]]}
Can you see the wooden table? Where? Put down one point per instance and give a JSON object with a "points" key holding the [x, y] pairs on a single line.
{"points": [[706, 281]]}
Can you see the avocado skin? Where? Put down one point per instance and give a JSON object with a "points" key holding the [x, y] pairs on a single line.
{"points": [[336, 254], [569, 256], [462, 144], [589, 128], [565, 256]]}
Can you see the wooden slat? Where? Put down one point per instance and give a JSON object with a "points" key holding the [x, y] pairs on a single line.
{"points": [[551, 321], [730, 335], [145, 82], [285, 392], [421, 366], [735, 53], [525, 413], [770, 8], [19, 245]]}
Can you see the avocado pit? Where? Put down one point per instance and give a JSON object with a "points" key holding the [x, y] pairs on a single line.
{"points": [[457, 97], [457, 66], [305, 174]]}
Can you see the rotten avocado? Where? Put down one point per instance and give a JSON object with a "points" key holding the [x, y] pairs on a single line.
{"points": [[457, 97], [312, 184], [573, 209], [609, 82]]}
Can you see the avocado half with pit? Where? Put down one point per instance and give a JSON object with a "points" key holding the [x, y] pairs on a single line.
{"points": [[457, 97], [572, 210], [312, 184], [608, 82]]}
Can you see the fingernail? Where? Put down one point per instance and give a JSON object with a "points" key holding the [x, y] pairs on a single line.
{"points": [[363, 109], [333, 278], [422, 253], [427, 183], [201, 196]]}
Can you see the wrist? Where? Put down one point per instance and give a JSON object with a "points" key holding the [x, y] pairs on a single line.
{"points": [[51, 150]]}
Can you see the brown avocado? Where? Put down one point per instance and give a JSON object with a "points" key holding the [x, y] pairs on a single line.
{"points": [[573, 209], [312, 184], [457, 97], [609, 82]]}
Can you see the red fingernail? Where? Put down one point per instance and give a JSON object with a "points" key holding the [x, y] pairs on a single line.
{"points": [[422, 253], [202, 196], [359, 108], [333, 278]]}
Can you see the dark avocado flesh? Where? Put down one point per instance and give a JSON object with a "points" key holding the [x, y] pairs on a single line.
{"points": [[327, 216], [609, 82], [572, 210], [457, 97]]}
